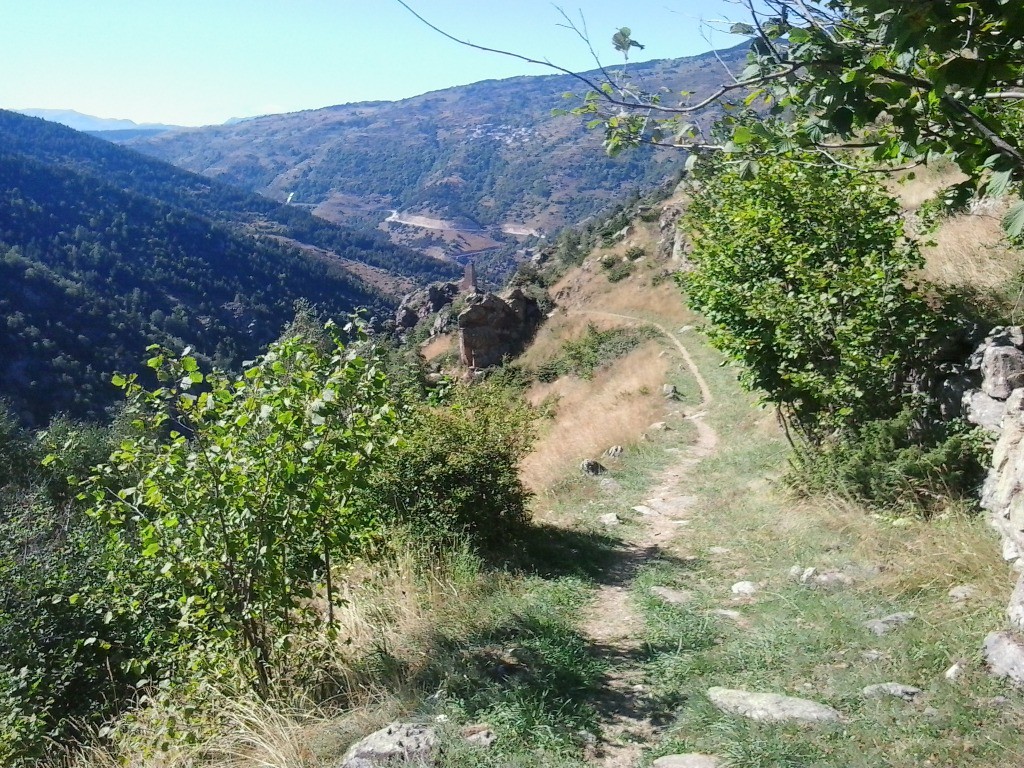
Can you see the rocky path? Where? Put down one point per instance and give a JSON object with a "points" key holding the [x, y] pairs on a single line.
{"points": [[613, 624]]}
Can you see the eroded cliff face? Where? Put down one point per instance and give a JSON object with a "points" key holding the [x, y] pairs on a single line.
{"points": [[493, 327]]}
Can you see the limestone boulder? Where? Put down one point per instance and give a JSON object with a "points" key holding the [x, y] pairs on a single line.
{"points": [[771, 707], [395, 745]]}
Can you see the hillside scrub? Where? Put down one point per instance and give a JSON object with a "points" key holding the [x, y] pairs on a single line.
{"points": [[212, 546], [804, 274]]}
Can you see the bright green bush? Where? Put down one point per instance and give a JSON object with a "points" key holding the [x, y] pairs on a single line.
{"points": [[803, 274], [239, 502], [455, 472]]}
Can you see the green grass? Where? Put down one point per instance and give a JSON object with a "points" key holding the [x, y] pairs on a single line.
{"points": [[809, 642]]}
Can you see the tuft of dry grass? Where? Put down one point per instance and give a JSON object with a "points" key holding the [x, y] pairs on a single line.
{"points": [[613, 408], [971, 250]]}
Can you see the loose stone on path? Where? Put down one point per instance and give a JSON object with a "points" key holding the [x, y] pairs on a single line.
{"points": [[770, 707], [692, 760], [896, 690]]}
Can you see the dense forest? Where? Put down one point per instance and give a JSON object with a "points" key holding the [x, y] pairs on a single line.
{"points": [[54, 144], [103, 252]]}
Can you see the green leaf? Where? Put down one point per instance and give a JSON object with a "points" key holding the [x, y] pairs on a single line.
{"points": [[742, 135], [1013, 222]]}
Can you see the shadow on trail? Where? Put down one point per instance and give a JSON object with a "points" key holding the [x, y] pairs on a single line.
{"points": [[553, 552]]}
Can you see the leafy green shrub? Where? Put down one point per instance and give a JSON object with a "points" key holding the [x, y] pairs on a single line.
{"points": [[620, 271], [239, 502], [455, 471], [635, 252], [62, 669], [803, 273], [906, 463], [595, 348]]}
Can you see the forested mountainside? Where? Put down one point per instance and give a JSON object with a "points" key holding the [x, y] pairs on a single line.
{"points": [[55, 144], [103, 251], [486, 160]]}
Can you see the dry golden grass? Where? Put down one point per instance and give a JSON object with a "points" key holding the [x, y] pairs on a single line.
{"points": [[439, 346], [913, 190], [392, 604], [556, 331], [970, 250], [613, 408]]}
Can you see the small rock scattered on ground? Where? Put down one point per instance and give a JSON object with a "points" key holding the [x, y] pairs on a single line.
{"points": [[887, 624], [398, 742], [953, 673], [672, 596], [962, 593], [770, 707], [591, 467], [691, 760], [744, 588], [896, 690], [610, 519]]}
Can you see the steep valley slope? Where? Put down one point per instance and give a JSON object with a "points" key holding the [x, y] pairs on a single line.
{"points": [[458, 172]]}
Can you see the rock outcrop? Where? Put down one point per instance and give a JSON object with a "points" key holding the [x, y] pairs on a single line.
{"points": [[995, 369], [1000, 359], [492, 327], [398, 743], [422, 303]]}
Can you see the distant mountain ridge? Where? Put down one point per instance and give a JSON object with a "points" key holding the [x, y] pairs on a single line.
{"points": [[81, 122], [488, 154], [104, 251]]}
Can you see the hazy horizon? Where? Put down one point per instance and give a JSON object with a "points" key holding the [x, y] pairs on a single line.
{"points": [[203, 64]]}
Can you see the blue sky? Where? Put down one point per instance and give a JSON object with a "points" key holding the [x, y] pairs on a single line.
{"points": [[194, 62]]}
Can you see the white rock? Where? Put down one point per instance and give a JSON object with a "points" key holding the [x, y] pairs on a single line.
{"points": [[962, 593], [770, 707], [1004, 654], [643, 509], [610, 519], [744, 588], [658, 426], [953, 673], [807, 574], [398, 742], [719, 550], [692, 760], [1015, 608], [896, 690], [795, 571]]}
